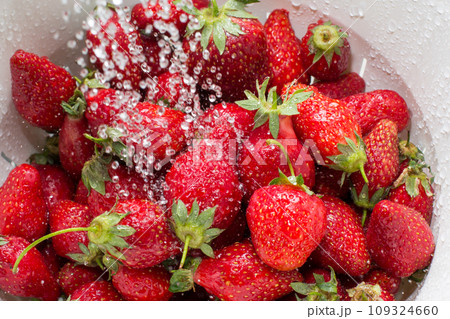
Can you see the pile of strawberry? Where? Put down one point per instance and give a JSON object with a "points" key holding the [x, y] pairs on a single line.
{"points": [[205, 155]]}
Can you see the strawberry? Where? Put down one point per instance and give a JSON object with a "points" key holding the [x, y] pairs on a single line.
{"points": [[72, 276], [38, 88], [236, 232], [67, 214], [399, 239], [259, 162], [231, 54], [32, 278], [119, 182], [325, 51], [329, 182], [382, 165], [413, 188], [81, 194], [344, 246], [56, 184], [370, 107], [346, 85], [23, 211], [332, 129], [283, 50], [149, 284], [286, 222], [51, 258], [115, 47], [96, 291], [369, 292], [158, 54], [237, 273], [387, 282], [172, 89], [209, 181], [105, 105]]}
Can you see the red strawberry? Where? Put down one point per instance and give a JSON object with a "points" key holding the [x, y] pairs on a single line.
{"points": [[236, 232], [371, 107], [33, 278], [283, 50], [122, 183], [105, 105], [332, 129], [325, 51], [38, 88], [210, 181], [386, 281], [382, 165], [149, 284], [346, 85], [96, 291], [231, 55], [369, 292], [237, 273], [56, 184], [328, 182], [259, 162], [399, 239], [81, 194], [344, 246], [158, 54], [115, 47], [72, 276], [172, 89], [51, 258], [286, 225], [67, 214], [23, 211]]}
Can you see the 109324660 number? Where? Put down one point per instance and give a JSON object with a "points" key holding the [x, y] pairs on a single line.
{"points": [[403, 310]]}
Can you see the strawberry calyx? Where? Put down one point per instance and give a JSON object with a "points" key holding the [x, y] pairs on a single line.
{"points": [[3, 241], [364, 201], [352, 157], [321, 290], [50, 153], [216, 21], [105, 236], [412, 179], [293, 180], [365, 292], [326, 40], [270, 107], [109, 140], [194, 230]]}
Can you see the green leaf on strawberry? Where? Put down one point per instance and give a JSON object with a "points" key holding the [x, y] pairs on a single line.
{"points": [[183, 279], [3, 241], [50, 154], [321, 290], [95, 173], [271, 107]]}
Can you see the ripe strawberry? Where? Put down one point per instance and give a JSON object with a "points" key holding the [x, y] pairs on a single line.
{"points": [[399, 239], [38, 88], [115, 47], [333, 130], [23, 211], [96, 291], [231, 54], [105, 105], [283, 50], [328, 182], [237, 273], [153, 241], [210, 181], [236, 232], [72, 276], [121, 183], [158, 54], [386, 281], [172, 89], [33, 278], [325, 51], [346, 85], [51, 258], [369, 292], [259, 162], [81, 194], [67, 214], [344, 246], [56, 184], [371, 107], [286, 225], [149, 284], [382, 165]]}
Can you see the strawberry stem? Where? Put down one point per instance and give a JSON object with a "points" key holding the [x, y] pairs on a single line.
{"points": [[38, 241], [185, 250], [275, 142], [363, 173]]}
